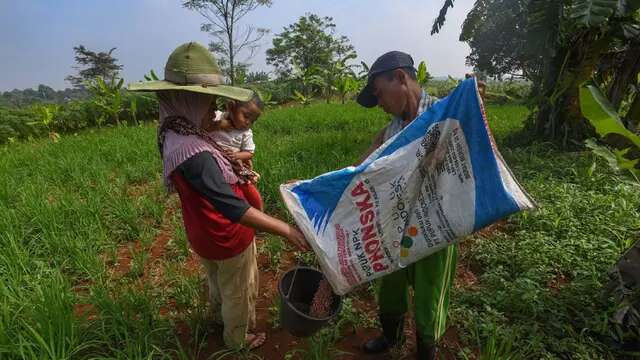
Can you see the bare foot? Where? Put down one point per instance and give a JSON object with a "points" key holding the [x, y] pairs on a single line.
{"points": [[254, 341]]}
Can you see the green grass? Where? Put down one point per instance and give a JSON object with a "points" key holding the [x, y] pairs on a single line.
{"points": [[68, 206]]}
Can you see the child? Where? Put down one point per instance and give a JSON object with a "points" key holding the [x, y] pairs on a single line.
{"points": [[232, 129]]}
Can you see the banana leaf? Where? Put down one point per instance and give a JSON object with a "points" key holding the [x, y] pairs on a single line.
{"points": [[624, 144], [592, 13]]}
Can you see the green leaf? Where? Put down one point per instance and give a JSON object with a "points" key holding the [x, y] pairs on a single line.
{"points": [[627, 7], [422, 72], [592, 13], [603, 152], [442, 17], [603, 117], [628, 31]]}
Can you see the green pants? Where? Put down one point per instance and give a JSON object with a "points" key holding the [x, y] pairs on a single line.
{"points": [[431, 279]]}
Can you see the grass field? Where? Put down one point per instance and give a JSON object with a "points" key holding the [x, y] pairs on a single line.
{"points": [[94, 262]]}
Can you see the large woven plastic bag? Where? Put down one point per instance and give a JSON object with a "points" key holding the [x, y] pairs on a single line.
{"points": [[441, 178]]}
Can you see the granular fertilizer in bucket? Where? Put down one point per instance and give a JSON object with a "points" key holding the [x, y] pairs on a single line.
{"points": [[438, 180], [301, 289], [322, 300]]}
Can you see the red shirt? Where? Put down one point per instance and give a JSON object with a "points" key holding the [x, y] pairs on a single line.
{"points": [[211, 235]]}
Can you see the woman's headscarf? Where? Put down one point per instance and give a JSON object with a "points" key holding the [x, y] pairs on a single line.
{"points": [[178, 148]]}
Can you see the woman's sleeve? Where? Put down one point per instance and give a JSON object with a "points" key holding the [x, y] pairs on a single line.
{"points": [[202, 172]]}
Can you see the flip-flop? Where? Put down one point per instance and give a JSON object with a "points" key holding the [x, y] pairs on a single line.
{"points": [[254, 341]]}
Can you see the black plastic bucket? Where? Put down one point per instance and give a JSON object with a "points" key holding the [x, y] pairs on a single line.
{"points": [[294, 308]]}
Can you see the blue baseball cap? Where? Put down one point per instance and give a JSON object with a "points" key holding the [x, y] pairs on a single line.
{"points": [[386, 62]]}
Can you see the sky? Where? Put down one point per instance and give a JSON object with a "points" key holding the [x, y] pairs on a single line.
{"points": [[38, 36]]}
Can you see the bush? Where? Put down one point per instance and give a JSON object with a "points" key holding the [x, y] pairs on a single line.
{"points": [[515, 90], [14, 124], [26, 122]]}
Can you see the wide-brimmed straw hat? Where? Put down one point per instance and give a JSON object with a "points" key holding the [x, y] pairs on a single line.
{"points": [[191, 67]]}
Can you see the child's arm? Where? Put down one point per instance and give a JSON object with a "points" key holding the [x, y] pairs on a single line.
{"points": [[246, 149], [241, 155]]}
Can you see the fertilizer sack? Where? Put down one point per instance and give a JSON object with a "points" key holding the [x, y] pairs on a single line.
{"points": [[441, 178]]}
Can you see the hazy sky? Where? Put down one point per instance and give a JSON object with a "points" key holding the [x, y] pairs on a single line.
{"points": [[37, 36]]}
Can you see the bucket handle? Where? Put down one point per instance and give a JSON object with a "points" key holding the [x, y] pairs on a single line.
{"points": [[295, 272]]}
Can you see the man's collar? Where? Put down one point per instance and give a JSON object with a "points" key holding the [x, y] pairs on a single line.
{"points": [[422, 106]]}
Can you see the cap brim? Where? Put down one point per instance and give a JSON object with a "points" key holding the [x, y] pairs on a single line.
{"points": [[366, 97], [227, 91]]}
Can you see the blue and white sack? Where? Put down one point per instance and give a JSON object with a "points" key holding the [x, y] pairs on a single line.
{"points": [[441, 178]]}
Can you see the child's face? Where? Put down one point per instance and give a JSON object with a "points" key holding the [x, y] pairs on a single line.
{"points": [[243, 116]]}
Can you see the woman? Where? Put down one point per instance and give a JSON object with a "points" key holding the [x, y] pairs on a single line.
{"points": [[219, 222]]}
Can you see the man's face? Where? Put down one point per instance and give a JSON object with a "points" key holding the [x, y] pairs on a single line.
{"points": [[391, 92]]}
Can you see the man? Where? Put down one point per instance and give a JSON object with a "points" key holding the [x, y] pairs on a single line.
{"points": [[392, 85]]}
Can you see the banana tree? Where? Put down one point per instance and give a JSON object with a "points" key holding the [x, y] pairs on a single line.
{"points": [[107, 98], [338, 71], [345, 85], [301, 98], [45, 117], [623, 146], [423, 75], [309, 79], [573, 39], [563, 44]]}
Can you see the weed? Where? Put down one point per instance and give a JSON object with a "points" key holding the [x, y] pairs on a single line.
{"points": [[306, 258], [138, 261], [274, 247], [352, 316], [274, 313], [322, 345]]}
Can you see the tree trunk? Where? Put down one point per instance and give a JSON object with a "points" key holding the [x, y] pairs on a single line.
{"points": [[633, 116], [230, 23], [560, 117], [624, 75], [546, 116]]}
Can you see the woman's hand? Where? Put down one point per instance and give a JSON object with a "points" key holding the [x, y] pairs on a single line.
{"points": [[297, 238], [261, 221]]}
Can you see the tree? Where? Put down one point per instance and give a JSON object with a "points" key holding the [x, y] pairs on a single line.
{"points": [[442, 16], [92, 65], [310, 48], [258, 76], [223, 17], [559, 45], [495, 32]]}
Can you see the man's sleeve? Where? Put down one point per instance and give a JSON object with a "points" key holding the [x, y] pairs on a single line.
{"points": [[202, 172]]}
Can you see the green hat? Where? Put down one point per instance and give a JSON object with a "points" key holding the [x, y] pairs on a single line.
{"points": [[191, 67]]}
